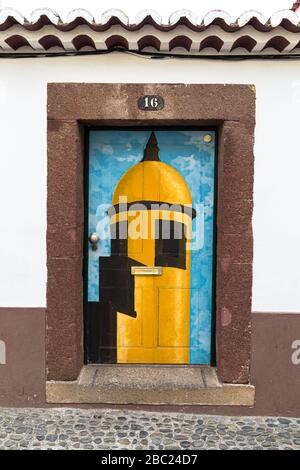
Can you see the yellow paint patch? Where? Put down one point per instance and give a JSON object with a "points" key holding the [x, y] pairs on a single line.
{"points": [[160, 332]]}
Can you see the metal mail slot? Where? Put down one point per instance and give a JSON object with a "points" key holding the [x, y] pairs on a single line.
{"points": [[146, 270]]}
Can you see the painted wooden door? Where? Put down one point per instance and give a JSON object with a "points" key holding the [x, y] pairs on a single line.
{"points": [[150, 242]]}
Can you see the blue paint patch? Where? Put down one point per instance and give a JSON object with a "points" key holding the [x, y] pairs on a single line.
{"points": [[112, 153]]}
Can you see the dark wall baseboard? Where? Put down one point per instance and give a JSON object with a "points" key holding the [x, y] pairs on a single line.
{"points": [[273, 372], [22, 378]]}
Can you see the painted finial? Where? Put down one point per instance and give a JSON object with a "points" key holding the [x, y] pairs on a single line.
{"points": [[151, 150]]}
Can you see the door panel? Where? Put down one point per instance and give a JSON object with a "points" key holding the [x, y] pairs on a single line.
{"points": [[173, 303], [164, 318]]}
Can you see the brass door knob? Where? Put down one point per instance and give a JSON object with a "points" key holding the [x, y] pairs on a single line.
{"points": [[93, 239]]}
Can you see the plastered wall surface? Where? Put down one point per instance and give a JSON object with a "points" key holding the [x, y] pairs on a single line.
{"points": [[23, 113]]}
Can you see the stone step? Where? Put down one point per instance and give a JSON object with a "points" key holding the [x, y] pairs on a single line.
{"points": [[148, 377], [159, 385]]}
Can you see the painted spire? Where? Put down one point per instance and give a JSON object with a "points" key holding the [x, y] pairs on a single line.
{"points": [[151, 150]]}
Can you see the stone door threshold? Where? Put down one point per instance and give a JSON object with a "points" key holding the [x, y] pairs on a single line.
{"points": [[150, 385]]}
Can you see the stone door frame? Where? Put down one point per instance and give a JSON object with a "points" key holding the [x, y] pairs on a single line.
{"points": [[73, 107]]}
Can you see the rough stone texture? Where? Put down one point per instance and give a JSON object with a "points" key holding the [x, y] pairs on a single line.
{"points": [[231, 109], [234, 251], [64, 325], [145, 377], [112, 103], [64, 338], [65, 174], [227, 395], [150, 385], [65, 429]]}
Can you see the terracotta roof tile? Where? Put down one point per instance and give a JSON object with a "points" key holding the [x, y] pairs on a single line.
{"points": [[214, 34], [296, 5]]}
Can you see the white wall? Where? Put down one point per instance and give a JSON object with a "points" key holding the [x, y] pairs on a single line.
{"points": [[276, 218]]}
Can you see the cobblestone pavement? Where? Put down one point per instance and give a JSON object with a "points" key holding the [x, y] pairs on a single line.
{"points": [[111, 429]]}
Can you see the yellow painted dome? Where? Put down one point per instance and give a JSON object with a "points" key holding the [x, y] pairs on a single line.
{"points": [[153, 180]]}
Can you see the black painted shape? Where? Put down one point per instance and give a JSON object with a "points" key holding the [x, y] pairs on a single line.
{"points": [[148, 205], [119, 239], [170, 244], [102, 327], [116, 294], [117, 283], [151, 152]]}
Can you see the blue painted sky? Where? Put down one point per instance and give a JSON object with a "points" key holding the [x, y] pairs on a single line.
{"points": [[112, 153]]}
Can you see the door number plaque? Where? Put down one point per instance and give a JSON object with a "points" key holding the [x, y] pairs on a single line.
{"points": [[151, 103]]}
